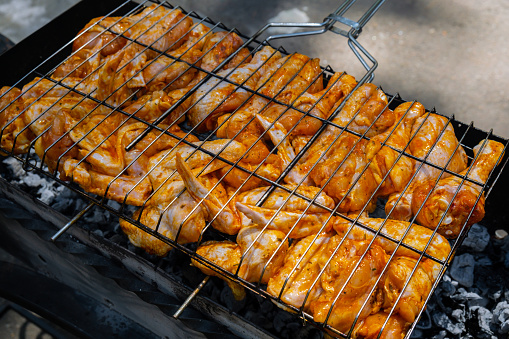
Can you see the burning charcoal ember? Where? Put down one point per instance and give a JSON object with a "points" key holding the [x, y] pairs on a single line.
{"points": [[462, 269], [477, 238]]}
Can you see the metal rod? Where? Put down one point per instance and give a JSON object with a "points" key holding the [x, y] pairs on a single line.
{"points": [[191, 297], [72, 222]]}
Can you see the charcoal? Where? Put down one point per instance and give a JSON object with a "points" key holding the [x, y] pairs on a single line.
{"points": [[440, 335], [442, 320], [462, 269], [484, 319], [417, 334], [447, 286], [496, 295], [257, 317], [463, 295], [501, 317], [232, 304], [281, 319], [459, 315], [477, 238]]}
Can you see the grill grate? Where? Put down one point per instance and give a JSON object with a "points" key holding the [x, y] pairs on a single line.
{"points": [[97, 117]]}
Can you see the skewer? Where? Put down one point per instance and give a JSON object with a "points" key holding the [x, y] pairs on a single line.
{"points": [[71, 222], [191, 297]]}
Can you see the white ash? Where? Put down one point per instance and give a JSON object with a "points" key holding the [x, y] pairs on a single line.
{"points": [[48, 189]]}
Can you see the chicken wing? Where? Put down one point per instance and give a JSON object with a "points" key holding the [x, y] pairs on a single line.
{"points": [[296, 282], [317, 104], [391, 169], [455, 200], [345, 290], [436, 142], [224, 217], [263, 252], [226, 255], [291, 202], [255, 257], [14, 137], [418, 237], [419, 284], [370, 327], [217, 96]]}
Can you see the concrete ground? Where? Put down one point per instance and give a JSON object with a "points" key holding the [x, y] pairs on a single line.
{"points": [[451, 55]]}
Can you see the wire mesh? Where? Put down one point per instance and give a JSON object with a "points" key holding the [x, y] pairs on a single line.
{"points": [[210, 132]]}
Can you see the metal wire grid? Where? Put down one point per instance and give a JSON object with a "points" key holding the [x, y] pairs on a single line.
{"points": [[30, 163]]}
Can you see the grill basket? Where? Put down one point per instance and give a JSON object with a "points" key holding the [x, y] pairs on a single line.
{"points": [[37, 153]]}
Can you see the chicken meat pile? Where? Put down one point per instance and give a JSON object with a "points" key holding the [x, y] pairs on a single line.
{"points": [[284, 159]]}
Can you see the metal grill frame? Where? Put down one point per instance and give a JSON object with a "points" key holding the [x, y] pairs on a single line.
{"points": [[465, 134]]}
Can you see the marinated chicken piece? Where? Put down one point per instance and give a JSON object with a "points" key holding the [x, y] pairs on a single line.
{"points": [[218, 47], [392, 169], [455, 200], [317, 104], [263, 252], [216, 96], [221, 213], [161, 165], [41, 88], [435, 142], [290, 77], [280, 138], [243, 177], [54, 147], [295, 224], [151, 106], [337, 148], [296, 283], [418, 237], [15, 137], [165, 73], [345, 174], [226, 255], [370, 327], [419, 277], [289, 201], [351, 271], [104, 31], [366, 111], [179, 218], [255, 257], [125, 189]]}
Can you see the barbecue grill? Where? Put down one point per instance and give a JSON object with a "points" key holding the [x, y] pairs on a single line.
{"points": [[54, 53]]}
